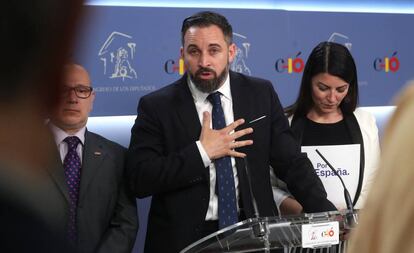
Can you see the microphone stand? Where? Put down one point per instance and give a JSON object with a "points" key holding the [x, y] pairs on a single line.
{"points": [[347, 196], [260, 229]]}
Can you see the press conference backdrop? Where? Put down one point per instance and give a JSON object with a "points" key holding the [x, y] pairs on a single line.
{"points": [[131, 51]]}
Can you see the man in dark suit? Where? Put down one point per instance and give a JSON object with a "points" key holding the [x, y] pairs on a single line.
{"points": [[98, 212], [192, 163]]}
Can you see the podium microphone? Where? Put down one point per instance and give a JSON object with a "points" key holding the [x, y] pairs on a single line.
{"points": [[249, 182], [347, 196], [259, 229]]}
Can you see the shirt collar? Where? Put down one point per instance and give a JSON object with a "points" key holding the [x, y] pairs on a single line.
{"points": [[60, 134], [200, 96]]}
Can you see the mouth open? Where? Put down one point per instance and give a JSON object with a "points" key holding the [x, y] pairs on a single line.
{"points": [[206, 75]]}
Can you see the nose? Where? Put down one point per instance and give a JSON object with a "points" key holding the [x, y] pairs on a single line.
{"points": [[204, 60], [332, 97], [71, 96]]}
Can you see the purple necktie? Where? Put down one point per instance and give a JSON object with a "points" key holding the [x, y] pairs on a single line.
{"points": [[227, 207], [72, 166]]}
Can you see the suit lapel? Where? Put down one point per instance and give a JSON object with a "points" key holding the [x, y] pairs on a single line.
{"points": [[186, 109], [57, 173], [354, 129], [240, 98], [242, 105], [356, 136], [93, 156]]}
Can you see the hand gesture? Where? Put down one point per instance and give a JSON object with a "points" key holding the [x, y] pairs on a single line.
{"points": [[219, 143]]}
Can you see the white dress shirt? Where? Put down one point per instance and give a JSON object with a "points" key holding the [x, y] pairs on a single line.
{"points": [[60, 135], [202, 105]]}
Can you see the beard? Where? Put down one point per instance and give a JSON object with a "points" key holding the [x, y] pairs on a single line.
{"points": [[208, 85]]}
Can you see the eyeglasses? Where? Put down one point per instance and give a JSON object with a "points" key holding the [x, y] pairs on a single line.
{"points": [[81, 91]]}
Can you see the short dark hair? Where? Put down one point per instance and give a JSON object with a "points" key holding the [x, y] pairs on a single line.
{"points": [[334, 59], [205, 19]]}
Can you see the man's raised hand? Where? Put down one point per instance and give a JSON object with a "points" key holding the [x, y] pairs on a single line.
{"points": [[219, 143]]}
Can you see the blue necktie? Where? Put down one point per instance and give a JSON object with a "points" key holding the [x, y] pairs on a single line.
{"points": [[227, 207], [72, 167]]}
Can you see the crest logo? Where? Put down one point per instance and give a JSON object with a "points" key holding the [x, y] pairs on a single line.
{"points": [[117, 55], [341, 39], [239, 63]]}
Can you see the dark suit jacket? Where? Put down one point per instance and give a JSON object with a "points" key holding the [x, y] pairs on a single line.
{"points": [[106, 215], [163, 160]]}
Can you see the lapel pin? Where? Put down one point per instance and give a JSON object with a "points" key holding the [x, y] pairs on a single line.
{"points": [[264, 116], [97, 153]]}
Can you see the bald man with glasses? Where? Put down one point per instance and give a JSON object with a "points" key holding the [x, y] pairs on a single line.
{"points": [[98, 212]]}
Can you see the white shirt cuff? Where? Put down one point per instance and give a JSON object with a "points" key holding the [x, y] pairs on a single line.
{"points": [[203, 153], [279, 195]]}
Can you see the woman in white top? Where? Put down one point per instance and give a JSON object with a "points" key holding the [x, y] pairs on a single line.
{"points": [[325, 113]]}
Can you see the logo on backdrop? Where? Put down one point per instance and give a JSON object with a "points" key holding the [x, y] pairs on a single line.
{"points": [[290, 65], [341, 39], [172, 66], [239, 64], [117, 55], [387, 64]]}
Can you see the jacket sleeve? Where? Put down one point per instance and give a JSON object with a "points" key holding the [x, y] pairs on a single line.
{"points": [[151, 167]]}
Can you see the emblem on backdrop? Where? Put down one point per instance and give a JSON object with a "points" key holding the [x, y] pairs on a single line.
{"points": [[239, 63], [341, 39], [117, 55]]}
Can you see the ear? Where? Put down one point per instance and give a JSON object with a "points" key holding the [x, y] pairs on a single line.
{"points": [[182, 52], [183, 59], [232, 52]]}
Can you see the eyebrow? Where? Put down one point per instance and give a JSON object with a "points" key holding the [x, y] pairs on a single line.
{"points": [[192, 46], [319, 82], [210, 45], [78, 85], [214, 45]]}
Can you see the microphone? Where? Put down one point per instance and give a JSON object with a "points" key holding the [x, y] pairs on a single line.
{"points": [[249, 182], [259, 229], [347, 196]]}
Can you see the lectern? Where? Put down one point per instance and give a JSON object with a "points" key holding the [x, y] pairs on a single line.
{"points": [[264, 234]]}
